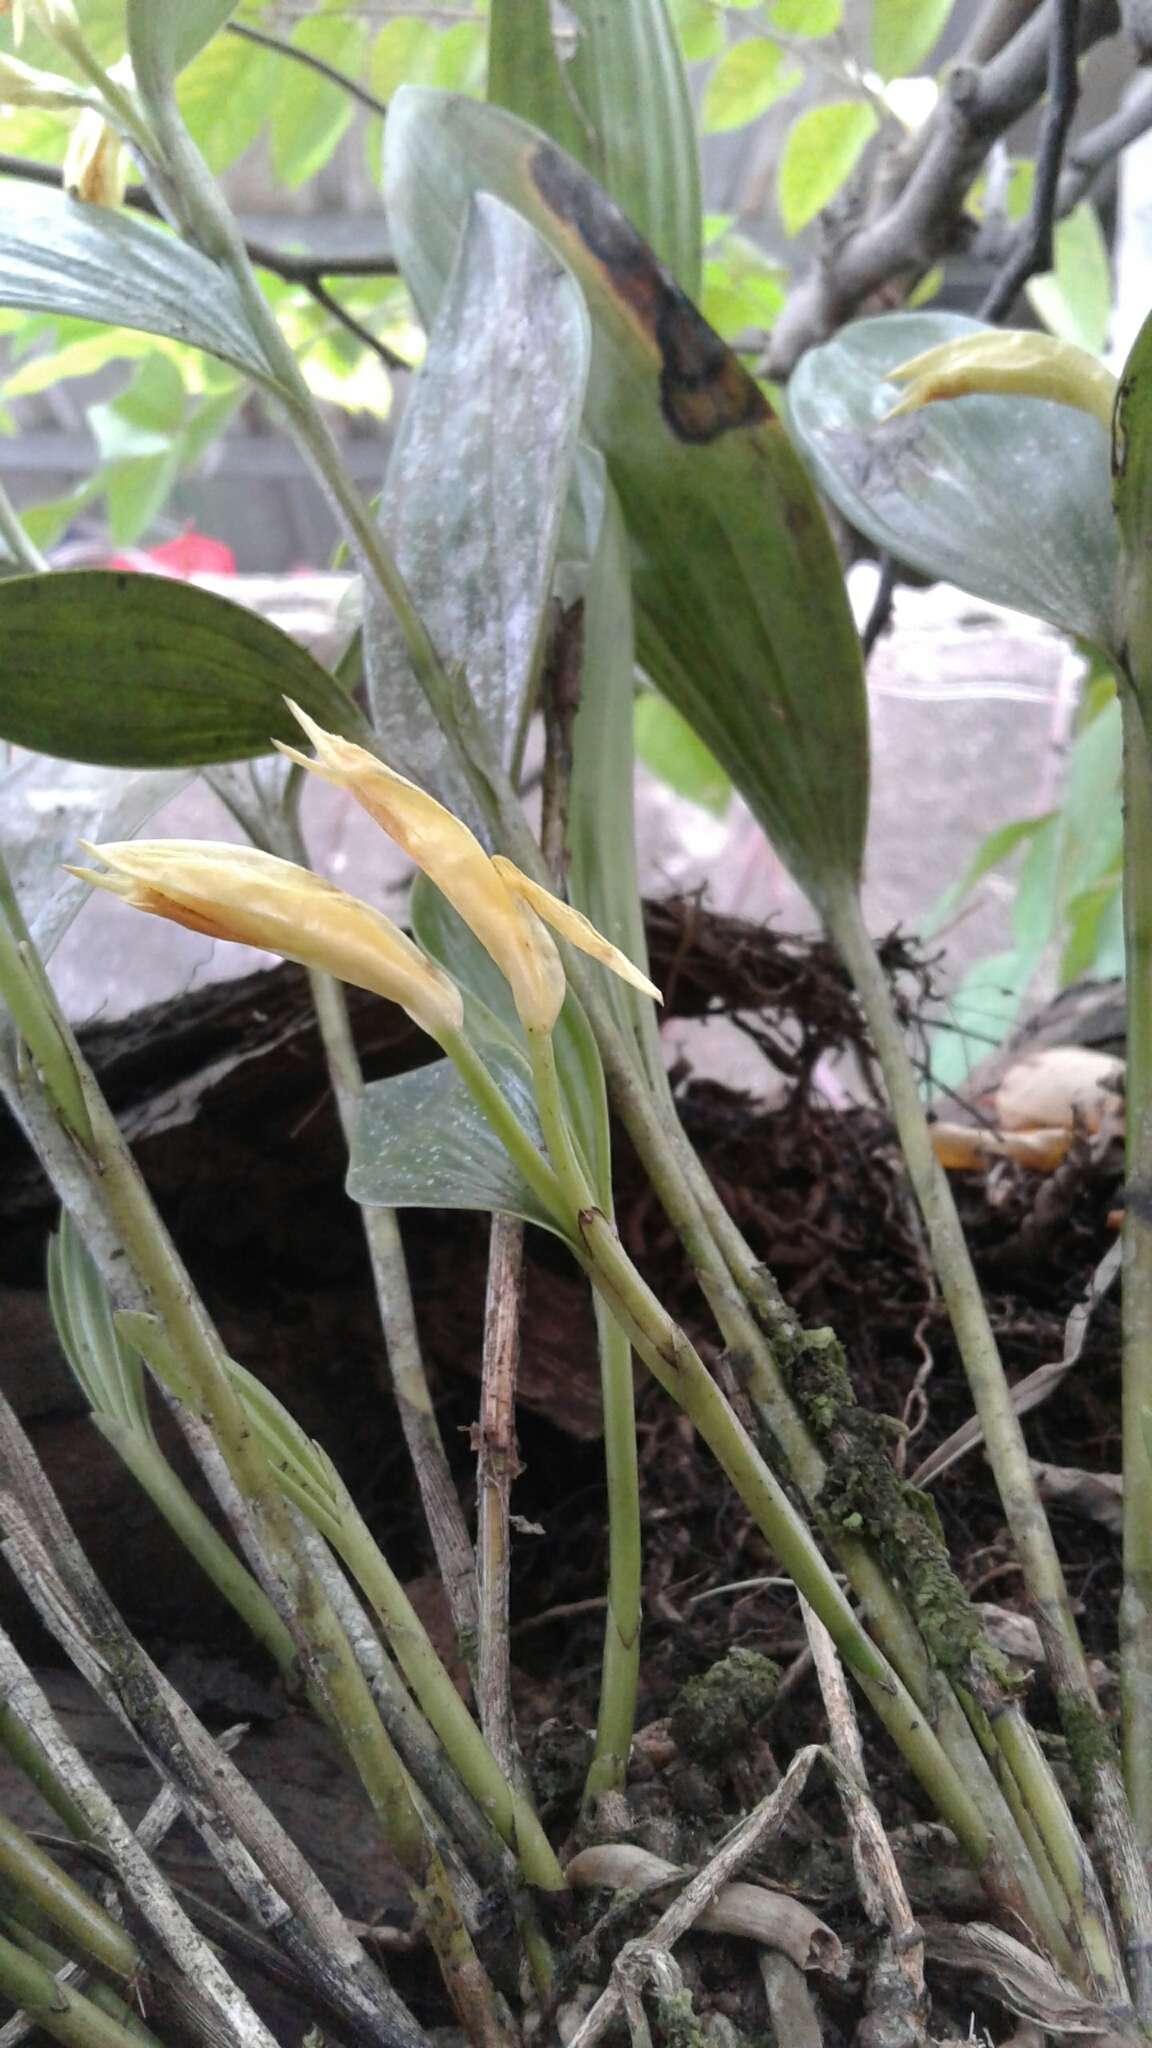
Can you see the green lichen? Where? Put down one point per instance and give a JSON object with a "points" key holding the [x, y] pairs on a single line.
{"points": [[676, 2020], [715, 1714], [864, 1496], [1089, 1738]]}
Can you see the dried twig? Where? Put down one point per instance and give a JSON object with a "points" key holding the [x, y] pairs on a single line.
{"points": [[929, 182], [697, 1896], [897, 1999], [498, 1462]]}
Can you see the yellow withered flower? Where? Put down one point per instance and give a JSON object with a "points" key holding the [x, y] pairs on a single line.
{"points": [[997, 360], [506, 911], [96, 163], [255, 899]]}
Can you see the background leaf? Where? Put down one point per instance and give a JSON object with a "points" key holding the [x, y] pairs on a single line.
{"points": [[1074, 299], [742, 616], [820, 153], [167, 34], [667, 745], [904, 32], [144, 672], [1005, 496], [747, 78], [474, 508], [59, 256]]}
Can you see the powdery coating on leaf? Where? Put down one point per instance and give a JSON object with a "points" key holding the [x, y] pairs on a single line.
{"points": [[255, 899]]}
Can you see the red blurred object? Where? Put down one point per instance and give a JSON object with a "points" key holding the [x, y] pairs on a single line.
{"points": [[190, 554]]}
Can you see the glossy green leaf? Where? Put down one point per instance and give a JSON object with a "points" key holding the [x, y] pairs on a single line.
{"points": [[421, 1143], [47, 807], [1005, 496], [59, 256], [750, 76], [625, 57], [475, 490], [904, 32], [742, 617], [144, 672], [821, 151], [602, 877]]}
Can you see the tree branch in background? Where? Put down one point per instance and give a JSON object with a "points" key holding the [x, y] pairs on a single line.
{"points": [[925, 216], [1032, 249], [331, 72], [294, 266]]}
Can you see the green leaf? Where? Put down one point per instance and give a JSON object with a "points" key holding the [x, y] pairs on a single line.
{"points": [[59, 256], [474, 514], [145, 672], [164, 35], [109, 1371], [1005, 496], [991, 852], [626, 57], [904, 32], [808, 18], [749, 77], [1074, 300], [421, 1143], [742, 617], [525, 74], [821, 151], [981, 1013], [700, 27], [667, 745], [1132, 498], [224, 96], [310, 112]]}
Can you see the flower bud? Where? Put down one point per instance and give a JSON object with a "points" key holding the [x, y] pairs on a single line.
{"points": [[499, 904], [22, 85], [96, 162], [1031, 365], [255, 899]]}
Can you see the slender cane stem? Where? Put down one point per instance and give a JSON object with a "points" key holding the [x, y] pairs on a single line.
{"points": [[1136, 1604], [497, 1464], [620, 1675], [441, 1503]]}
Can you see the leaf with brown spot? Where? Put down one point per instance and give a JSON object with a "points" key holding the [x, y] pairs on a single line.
{"points": [[742, 617]]}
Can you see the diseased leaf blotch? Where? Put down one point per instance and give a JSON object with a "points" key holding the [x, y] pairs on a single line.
{"points": [[705, 391]]}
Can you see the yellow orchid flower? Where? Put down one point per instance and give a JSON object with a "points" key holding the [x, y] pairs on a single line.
{"points": [[255, 899], [499, 904], [1032, 365]]}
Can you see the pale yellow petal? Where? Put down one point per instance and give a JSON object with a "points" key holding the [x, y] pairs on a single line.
{"points": [[453, 858], [255, 899], [1029, 365], [573, 926]]}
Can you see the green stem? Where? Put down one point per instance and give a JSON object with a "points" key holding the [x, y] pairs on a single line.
{"points": [[1084, 1723], [620, 1672], [1136, 1603], [442, 1510], [70, 1908], [67, 2015], [509, 1812], [19, 543], [34, 1942], [992, 1398], [168, 1494]]}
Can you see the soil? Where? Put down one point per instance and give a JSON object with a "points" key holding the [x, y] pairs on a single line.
{"points": [[225, 1100]]}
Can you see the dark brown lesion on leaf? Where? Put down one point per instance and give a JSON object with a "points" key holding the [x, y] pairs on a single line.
{"points": [[705, 391]]}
